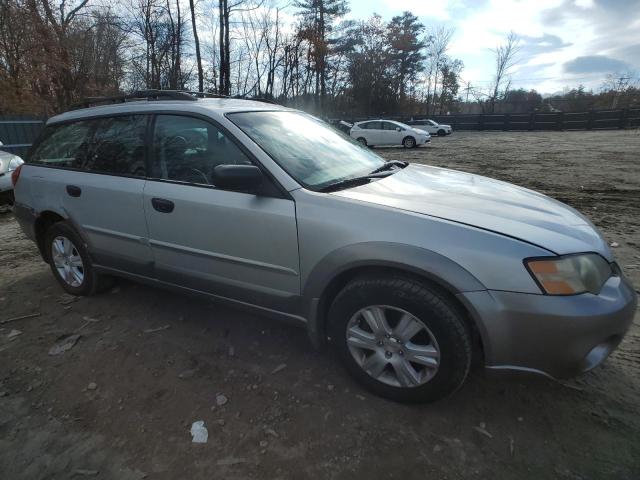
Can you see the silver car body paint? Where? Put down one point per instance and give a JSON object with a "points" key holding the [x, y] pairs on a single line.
{"points": [[467, 233]]}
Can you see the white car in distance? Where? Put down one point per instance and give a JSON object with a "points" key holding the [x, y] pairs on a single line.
{"points": [[434, 128], [374, 133]]}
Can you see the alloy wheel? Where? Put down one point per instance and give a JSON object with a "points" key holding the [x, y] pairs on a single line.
{"points": [[67, 261], [393, 346]]}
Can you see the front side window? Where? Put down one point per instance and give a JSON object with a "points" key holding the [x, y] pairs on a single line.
{"points": [[62, 145], [390, 126], [308, 149], [187, 149]]}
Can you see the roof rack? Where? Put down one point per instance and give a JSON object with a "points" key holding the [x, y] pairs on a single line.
{"points": [[157, 95]]}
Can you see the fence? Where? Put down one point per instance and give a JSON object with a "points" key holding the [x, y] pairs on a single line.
{"points": [[592, 120], [17, 132]]}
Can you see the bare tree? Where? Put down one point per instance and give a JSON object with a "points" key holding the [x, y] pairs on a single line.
{"points": [[196, 42], [437, 43], [505, 59]]}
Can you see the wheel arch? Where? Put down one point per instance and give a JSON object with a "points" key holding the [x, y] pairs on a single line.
{"points": [[415, 141], [43, 221], [380, 258]]}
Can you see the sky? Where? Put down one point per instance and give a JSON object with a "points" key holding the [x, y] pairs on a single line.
{"points": [[564, 43]]}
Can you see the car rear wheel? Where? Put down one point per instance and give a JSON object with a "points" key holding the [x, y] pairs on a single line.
{"points": [[70, 261], [409, 142], [400, 338]]}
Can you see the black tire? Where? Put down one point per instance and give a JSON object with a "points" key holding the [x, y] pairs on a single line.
{"points": [[432, 307], [362, 141], [409, 142], [91, 282], [441, 133]]}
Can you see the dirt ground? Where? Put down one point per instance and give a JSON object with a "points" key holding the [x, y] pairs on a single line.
{"points": [[120, 403]]}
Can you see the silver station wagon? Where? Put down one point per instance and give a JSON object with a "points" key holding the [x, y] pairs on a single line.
{"points": [[411, 272]]}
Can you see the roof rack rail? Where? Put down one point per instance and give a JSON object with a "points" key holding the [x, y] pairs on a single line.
{"points": [[135, 96], [155, 94]]}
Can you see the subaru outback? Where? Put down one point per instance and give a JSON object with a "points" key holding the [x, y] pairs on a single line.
{"points": [[410, 271]]}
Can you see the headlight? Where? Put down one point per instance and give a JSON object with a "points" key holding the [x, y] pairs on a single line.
{"points": [[571, 274], [15, 163]]}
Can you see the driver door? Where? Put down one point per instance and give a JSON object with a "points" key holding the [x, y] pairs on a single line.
{"points": [[236, 245]]}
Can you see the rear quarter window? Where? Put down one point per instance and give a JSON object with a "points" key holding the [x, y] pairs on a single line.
{"points": [[62, 145]]}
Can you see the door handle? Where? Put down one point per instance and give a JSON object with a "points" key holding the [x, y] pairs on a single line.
{"points": [[74, 191], [162, 205]]}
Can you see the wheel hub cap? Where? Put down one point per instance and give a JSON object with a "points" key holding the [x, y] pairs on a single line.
{"points": [[393, 346], [67, 261]]}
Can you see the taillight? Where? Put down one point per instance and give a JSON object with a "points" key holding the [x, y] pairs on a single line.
{"points": [[15, 175]]}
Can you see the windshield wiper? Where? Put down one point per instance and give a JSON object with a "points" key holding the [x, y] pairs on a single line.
{"points": [[389, 165], [352, 182], [383, 171]]}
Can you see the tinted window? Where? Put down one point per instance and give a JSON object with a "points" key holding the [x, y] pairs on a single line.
{"points": [[373, 126], [118, 146], [389, 126], [106, 145], [63, 145], [188, 149]]}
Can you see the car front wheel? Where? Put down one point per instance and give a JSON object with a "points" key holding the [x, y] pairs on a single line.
{"points": [[409, 142], [400, 338]]}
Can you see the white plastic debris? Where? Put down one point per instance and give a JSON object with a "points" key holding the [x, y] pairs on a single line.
{"points": [[199, 433], [13, 334]]}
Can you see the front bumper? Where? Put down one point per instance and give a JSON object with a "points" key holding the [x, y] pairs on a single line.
{"points": [[6, 189], [423, 140], [557, 336], [5, 182]]}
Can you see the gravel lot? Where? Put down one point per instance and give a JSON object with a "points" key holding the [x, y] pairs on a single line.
{"points": [[120, 403]]}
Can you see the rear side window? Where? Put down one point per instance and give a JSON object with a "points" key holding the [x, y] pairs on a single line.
{"points": [[112, 145], [63, 145], [118, 146]]}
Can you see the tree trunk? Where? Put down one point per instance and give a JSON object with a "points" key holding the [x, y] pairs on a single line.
{"points": [[227, 50], [196, 41], [221, 12]]}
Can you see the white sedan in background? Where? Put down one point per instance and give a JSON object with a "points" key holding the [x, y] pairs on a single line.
{"points": [[434, 128], [375, 133], [8, 163]]}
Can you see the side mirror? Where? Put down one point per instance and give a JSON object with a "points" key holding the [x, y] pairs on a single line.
{"points": [[244, 178]]}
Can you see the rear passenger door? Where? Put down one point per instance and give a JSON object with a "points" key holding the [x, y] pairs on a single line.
{"points": [[393, 134], [374, 133], [237, 245], [98, 179]]}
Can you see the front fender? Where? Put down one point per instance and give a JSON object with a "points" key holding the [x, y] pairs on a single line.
{"points": [[419, 261]]}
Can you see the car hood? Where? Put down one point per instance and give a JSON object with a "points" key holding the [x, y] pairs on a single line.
{"points": [[487, 204], [421, 132], [444, 126]]}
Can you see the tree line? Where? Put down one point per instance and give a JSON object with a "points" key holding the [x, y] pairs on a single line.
{"points": [[54, 53]]}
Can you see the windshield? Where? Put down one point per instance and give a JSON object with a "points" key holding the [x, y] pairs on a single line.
{"points": [[308, 149]]}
